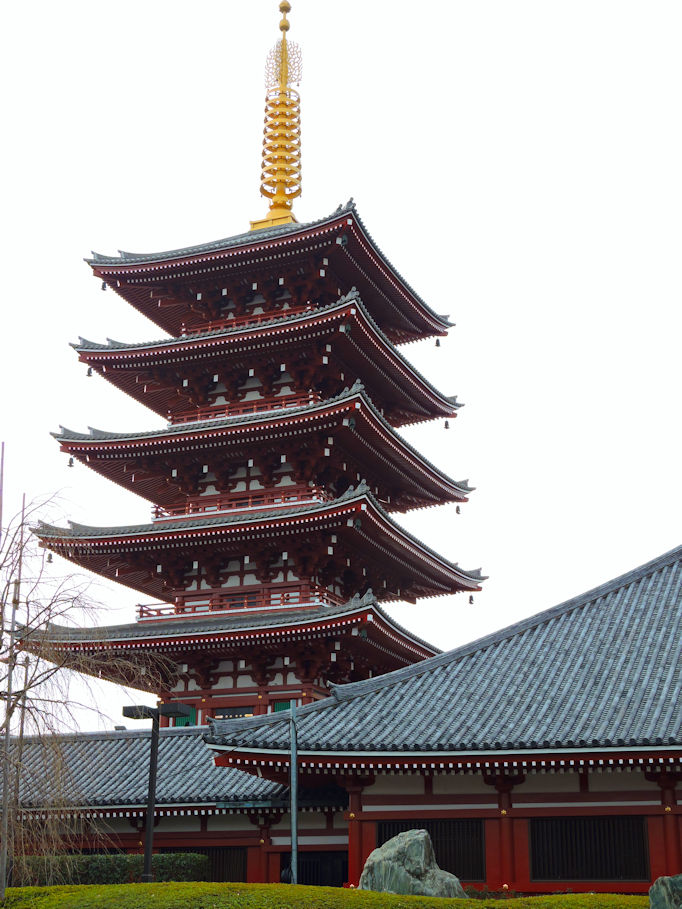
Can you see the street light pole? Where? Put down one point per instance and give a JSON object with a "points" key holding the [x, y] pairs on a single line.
{"points": [[142, 712], [151, 799], [293, 791]]}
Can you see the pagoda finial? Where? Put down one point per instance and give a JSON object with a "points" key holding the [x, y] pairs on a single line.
{"points": [[281, 167]]}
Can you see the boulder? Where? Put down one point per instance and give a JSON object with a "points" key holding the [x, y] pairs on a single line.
{"points": [[406, 865], [666, 893]]}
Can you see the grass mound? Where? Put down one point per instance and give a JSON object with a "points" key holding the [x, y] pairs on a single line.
{"points": [[280, 896]]}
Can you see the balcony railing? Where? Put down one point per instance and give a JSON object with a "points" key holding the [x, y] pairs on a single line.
{"points": [[237, 501], [246, 320], [258, 405], [265, 596]]}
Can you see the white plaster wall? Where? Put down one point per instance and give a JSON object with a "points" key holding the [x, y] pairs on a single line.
{"points": [[620, 782], [115, 824], [548, 782], [460, 784], [229, 822], [390, 784], [179, 825]]}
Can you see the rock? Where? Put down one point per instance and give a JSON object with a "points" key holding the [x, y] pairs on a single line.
{"points": [[666, 893], [406, 865]]}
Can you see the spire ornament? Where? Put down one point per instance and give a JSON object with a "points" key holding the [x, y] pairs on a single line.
{"points": [[281, 165]]}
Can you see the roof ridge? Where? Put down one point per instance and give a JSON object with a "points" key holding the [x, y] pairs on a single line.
{"points": [[129, 258], [93, 735]]}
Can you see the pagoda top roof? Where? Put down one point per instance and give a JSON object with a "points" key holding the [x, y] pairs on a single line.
{"points": [[353, 495], [285, 233], [179, 430], [236, 622], [601, 670], [247, 239]]}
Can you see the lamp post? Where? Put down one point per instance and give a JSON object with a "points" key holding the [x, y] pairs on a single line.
{"points": [[293, 791], [142, 712]]}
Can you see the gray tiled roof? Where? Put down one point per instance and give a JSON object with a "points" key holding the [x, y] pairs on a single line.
{"points": [[86, 531], [225, 623], [111, 768], [352, 296], [352, 494], [249, 238], [602, 669], [180, 429]]}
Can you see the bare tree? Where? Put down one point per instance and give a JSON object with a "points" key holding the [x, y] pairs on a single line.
{"points": [[44, 687]]}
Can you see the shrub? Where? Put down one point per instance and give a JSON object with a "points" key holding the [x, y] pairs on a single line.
{"points": [[114, 868]]}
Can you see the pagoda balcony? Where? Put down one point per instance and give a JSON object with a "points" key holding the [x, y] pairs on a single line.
{"points": [[246, 319], [258, 405], [244, 501], [281, 595]]}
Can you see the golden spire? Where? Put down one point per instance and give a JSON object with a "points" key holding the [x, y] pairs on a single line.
{"points": [[281, 168]]}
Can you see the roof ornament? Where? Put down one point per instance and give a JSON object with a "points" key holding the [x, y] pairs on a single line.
{"points": [[281, 166]]}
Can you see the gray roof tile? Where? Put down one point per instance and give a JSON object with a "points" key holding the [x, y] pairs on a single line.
{"points": [[352, 296], [265, 417], [111, 768], [248, 239], [85, 532], [602, 669], [225, 623]]}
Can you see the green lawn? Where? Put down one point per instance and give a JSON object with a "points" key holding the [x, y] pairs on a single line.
{"points": [[279, 896]]}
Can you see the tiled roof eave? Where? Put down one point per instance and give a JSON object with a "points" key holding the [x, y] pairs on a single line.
{"points": [[595, 754], [127, 262], [251, 240], [291, 626], [83, 535], [98, 439], [117, 349]]}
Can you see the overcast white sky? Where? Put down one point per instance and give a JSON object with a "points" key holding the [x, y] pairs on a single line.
{"points": [[517, 160]]}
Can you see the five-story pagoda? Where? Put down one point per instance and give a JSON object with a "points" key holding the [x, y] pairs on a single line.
{"points": [[274, 484]]}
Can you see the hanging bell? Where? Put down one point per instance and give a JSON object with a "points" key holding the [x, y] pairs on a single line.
{"points": [[437, 342], [89, 373], [471, 600], [458, 510], [49, 558], [104, 285], [447, 424], [70, 464]]}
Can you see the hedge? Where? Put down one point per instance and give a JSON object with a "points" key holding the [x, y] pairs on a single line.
{"points": [[282, 896], [114, 868]]}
